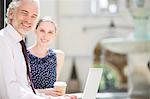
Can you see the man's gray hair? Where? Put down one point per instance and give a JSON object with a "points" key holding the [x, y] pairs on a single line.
{"points": [[15, 3]]}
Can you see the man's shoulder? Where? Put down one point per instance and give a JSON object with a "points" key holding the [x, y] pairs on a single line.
{"points": [[2, 35], [1, 32]]}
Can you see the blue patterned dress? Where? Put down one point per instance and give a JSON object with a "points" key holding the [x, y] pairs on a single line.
{"points": [[43, 70]]}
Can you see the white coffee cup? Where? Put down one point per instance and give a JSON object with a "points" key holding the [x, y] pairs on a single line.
{"points": [[61, 86]]}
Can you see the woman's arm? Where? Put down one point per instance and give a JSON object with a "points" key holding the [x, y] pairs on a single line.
{"points": [[60, 62]]}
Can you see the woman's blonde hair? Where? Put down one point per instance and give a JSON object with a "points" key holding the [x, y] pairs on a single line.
{"points": [[46, 19]]}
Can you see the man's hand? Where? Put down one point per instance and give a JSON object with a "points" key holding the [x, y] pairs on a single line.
{"points": [[70, 96], [64, 97]]}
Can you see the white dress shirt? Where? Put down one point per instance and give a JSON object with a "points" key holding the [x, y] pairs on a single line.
{"points": [[13, 73]]}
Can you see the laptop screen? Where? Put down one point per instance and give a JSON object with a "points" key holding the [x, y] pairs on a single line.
{"points": [[92, 83]]}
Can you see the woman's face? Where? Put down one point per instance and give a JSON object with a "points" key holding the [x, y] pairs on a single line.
{"points": [[45, 33]]}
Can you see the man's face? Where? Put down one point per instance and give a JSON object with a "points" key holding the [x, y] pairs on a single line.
{"points": [[24, 16]]}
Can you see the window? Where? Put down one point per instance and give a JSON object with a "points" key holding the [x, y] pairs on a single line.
{"points": [[110, 6]]}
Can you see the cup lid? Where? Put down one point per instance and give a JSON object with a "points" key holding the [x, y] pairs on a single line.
{"points": [[60, 83]]}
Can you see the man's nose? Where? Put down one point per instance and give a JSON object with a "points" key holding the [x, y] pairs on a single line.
{"points": [[29, 19]]}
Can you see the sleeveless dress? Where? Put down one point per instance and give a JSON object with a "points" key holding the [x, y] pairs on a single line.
{"points": [[43, 70]]}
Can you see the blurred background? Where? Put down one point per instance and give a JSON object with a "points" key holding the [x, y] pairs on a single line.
{"points": [[109, 34]]}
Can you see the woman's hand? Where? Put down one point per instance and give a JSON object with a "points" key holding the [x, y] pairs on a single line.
{"points": [[51, 92]]}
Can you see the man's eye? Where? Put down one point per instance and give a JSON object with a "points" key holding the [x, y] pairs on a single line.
{"points": [[34, 17], [24, 13]]}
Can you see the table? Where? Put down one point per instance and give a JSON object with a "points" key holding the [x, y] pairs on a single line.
{"points": [[117, 95]]}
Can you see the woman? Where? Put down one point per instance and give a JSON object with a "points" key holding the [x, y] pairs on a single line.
{"points": [[45, 62]]}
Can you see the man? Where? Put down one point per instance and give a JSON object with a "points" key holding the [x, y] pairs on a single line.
{"points": [[14, 81]]}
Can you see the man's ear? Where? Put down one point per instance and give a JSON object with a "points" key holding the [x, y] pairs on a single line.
{"points": [[10, 14]]}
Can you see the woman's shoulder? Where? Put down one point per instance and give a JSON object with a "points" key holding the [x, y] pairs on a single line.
{"points": [[30, 48], [58, 52]]}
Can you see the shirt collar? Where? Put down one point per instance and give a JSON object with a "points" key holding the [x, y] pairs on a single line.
{"points": [[14, 35]]}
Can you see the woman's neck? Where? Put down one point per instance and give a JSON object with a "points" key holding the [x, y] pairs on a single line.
{"points": [[39, 50]]}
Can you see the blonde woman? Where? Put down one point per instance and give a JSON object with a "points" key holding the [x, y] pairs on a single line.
{"points": [[45, 62]]}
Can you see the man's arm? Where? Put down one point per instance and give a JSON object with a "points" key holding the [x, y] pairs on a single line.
{"points": [[11, 87]]}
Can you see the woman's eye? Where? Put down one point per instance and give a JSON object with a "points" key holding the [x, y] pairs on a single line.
{"points": [[50, 32], [41, 30]]}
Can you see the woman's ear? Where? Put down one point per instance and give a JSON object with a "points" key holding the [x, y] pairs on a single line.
{"points": [[54, 38]]}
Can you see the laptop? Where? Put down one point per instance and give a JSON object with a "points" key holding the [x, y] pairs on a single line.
{"points": [[92, 84]]}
